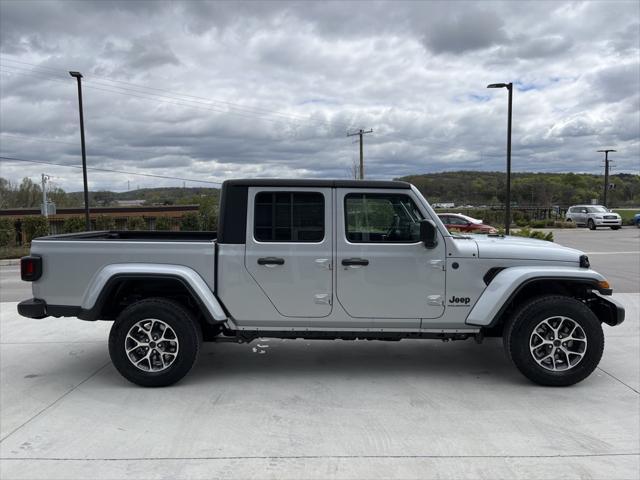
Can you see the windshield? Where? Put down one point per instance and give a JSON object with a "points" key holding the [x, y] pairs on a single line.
{"points": [[598, 209]]}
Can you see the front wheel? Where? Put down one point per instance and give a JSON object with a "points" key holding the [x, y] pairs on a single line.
{"points": [[591, 224], [154, 342], [554, 340]]}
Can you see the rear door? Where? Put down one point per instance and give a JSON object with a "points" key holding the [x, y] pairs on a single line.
{"points": [[289, 249], [383, 270]]}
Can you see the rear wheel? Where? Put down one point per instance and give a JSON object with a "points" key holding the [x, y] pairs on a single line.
{"points": [[591, 224], [154, 342], [554, 340]]}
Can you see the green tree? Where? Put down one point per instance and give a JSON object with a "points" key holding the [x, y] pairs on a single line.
{"points": [[73, 225], [59, 197], [34, 227], [7, 232], [190, 222], [136, 223], [163, 223], [29, 194], [7, 193]]}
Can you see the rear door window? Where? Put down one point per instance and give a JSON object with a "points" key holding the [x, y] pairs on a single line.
{"points": [[289, 217]]}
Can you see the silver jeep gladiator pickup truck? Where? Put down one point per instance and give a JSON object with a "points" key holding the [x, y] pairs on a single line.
{"points": [[323, 259]]}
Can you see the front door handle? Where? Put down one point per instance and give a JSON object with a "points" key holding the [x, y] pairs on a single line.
{"points": [[270, 261], [351, 262]]}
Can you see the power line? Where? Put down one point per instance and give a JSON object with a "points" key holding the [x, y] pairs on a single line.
{"points": [[39, 139], [161, 99], [185, 97], [152, 175]]}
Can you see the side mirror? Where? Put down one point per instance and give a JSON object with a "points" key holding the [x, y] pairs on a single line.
{"points": [[428, 233]]}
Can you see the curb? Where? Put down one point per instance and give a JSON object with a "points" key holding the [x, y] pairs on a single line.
{"points": [[9, 261]]}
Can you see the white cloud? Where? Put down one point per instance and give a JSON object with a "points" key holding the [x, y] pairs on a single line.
{"points": [[288, 80]]}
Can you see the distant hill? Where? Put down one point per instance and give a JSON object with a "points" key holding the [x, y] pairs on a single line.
{"points": [[542, 189], [151, 196], [461, 187]]}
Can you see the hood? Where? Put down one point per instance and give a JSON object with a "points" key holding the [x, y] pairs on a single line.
{"points": [[524, 249]]}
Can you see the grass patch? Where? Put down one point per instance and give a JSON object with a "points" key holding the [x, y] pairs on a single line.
{"points": [[627, 215]]}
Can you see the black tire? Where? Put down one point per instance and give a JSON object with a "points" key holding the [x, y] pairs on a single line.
{"points": [[187, 333], [591, 224], [615, 228], [520, 327]]}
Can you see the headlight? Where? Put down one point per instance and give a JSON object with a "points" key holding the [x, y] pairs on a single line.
{"points": [[598, 218]]}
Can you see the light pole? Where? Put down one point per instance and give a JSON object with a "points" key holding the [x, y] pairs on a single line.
{"points": [[507, 215], [78, 76], [606, 174]]}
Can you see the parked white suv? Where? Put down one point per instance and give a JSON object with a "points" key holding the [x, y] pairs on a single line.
{"points": [[594, 216]]}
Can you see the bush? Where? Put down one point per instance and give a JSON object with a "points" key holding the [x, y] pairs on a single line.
{"points": [[136, 223], [537, 224], [7, 233], [528, 233], [105, 223], [163, 223], [35, 227], [562, 224], [74, 224], [190, 222]]}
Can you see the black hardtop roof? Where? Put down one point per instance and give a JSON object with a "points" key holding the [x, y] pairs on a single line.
{"points": [[291, 182]]}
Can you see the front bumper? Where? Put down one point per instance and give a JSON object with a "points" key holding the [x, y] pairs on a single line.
{"points": [[607, 309], [608, 222]]}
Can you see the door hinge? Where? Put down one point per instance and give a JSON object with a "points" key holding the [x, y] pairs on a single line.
{"points": [[437, 264], [323, 263], [322, 298], [435, 300]]}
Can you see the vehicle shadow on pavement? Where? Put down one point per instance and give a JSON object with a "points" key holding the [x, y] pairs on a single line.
{"points": [[302, 359]]}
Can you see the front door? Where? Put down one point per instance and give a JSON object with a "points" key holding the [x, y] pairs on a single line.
{"points": [[383, 270], [289, 249]]}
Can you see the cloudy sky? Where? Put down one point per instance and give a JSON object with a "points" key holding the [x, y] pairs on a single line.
{"points": [[210, 91]]}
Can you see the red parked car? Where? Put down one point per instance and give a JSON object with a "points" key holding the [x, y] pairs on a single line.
{"points": [[463, 223]]}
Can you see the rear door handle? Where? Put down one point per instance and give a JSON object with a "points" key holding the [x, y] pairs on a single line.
{"points": [[270, 261], [350, 262]]}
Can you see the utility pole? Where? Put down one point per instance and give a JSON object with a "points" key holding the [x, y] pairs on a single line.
{"points": [[361, 133], [507, 214], [45, 210], [606, 174], [78, 77]]}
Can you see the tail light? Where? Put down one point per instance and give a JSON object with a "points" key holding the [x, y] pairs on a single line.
{"points": [[30, 268]]}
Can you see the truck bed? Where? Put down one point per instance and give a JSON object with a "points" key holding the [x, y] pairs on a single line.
{"points": [[132, 235], [72, 261]]}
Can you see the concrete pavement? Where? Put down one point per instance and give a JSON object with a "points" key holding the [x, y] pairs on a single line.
{"points": [[291, 409]]}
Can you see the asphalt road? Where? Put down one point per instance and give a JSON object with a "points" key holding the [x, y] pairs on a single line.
{"points": [[613, 253], [319, 409]]}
